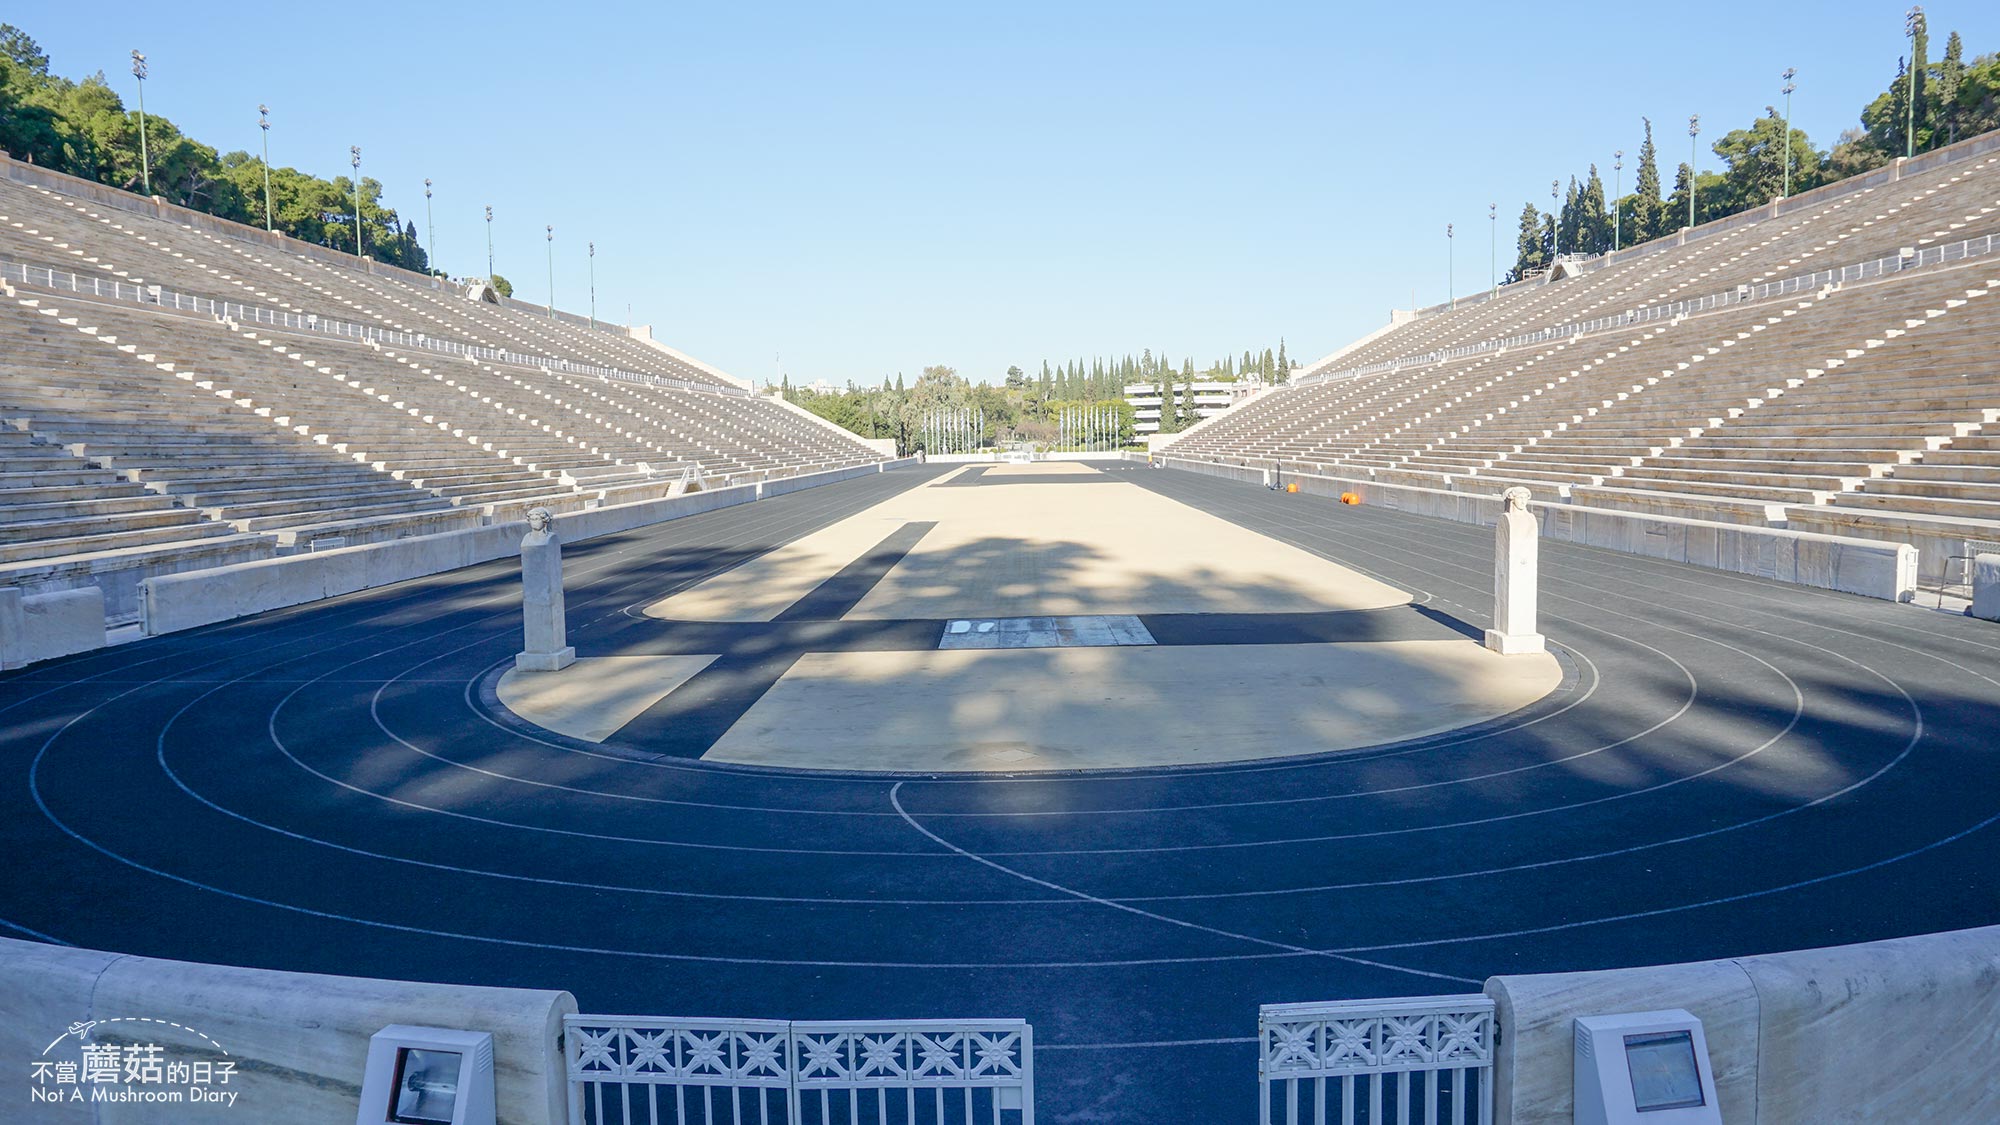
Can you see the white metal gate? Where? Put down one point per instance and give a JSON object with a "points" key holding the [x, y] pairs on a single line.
{"points": [[1377, 1061], [637, 1070]]}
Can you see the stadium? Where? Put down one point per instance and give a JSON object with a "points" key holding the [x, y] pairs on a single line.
{"points": [[1572, 701]]}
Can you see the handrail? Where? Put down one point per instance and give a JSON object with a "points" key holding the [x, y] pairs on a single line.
{"points": [[47, 278], [1861, 271]]}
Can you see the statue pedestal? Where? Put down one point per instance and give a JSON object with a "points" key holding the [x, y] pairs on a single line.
{"points": [[542, 598], [1516, 565]]}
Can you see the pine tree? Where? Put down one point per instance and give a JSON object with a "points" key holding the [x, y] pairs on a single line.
{"points": [[1572, 220], [1676, 214], [1950, 79], [1529, 255], [1593, 219], [1648, 219]]}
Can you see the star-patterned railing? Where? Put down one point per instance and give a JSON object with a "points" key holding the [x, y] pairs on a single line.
{"points": [[627, 1070], [1377, 1060]]}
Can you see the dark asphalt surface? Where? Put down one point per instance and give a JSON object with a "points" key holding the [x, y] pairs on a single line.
{"points": [[1734, 766]]}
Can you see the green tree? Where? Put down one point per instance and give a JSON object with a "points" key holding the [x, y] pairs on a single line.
{"points": [[84, 129], [1677, 202], [1950, 81], [1593, 219], [1755, 169], [502, 286], [1648, 210], [1530, 251]]}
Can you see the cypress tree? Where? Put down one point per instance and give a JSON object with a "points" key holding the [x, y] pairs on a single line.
{"points": [[1571, 220], [1593, 217], [1528, 252], [1647, 209], [1950, 79], [1284, 362], [1677, 204]]}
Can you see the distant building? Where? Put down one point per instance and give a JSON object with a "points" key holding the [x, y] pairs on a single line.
{"points": [[1211, 397]]}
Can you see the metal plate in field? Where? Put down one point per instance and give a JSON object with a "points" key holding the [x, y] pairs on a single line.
{"points": [[1096, 631]]}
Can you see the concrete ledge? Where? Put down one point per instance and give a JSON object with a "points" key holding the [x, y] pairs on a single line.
{"points": [[170, 603], [44, 626], [299, 1040], [783, 485], [174, 602], [1900, 1030], [1532, 1065], [1936, 538], [1830, 562], [119, 573]]}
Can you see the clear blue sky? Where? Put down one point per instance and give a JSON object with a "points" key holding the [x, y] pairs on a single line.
{"points": [[866, 189]]}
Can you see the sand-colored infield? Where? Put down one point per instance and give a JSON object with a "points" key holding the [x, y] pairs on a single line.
{"points": [[1063, 539], [1093, 708], [595, 696], [1046, 540]]}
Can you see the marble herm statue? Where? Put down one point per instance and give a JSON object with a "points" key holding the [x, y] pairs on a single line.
{"points": [[1516, 561], [542, 598]]}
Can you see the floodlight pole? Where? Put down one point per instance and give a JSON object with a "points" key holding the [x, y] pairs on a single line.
{"points": [[1450, 268], [489, 244], [1555, 209], [264, 124], [551, 228], [145, 158], [430, 230], [354, 158], [1694, 130], [592, 248], [1790, 73], [1617, 194], [1492, 250], [1913, 26]]}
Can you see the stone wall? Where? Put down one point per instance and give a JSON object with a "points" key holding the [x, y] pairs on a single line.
{"points": [[174, 602], [1889, 1031], [1830, 562], [299, 1041], [44, 626]]}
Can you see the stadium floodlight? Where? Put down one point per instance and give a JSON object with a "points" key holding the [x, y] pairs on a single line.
{"points": [[354, 157], [591, 247], [1556, 227], [1450, 268], [264, 124], [145, 158], [430, 230], [1617, 193], [1790, 73], [552, 270], [1694, 130], [1913, 26], [489, 243], [1492, 250]]}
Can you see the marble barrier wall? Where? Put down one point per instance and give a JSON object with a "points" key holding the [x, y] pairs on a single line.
{"points": [[1856, 566], [296, 1043], [1904, 1030]]}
